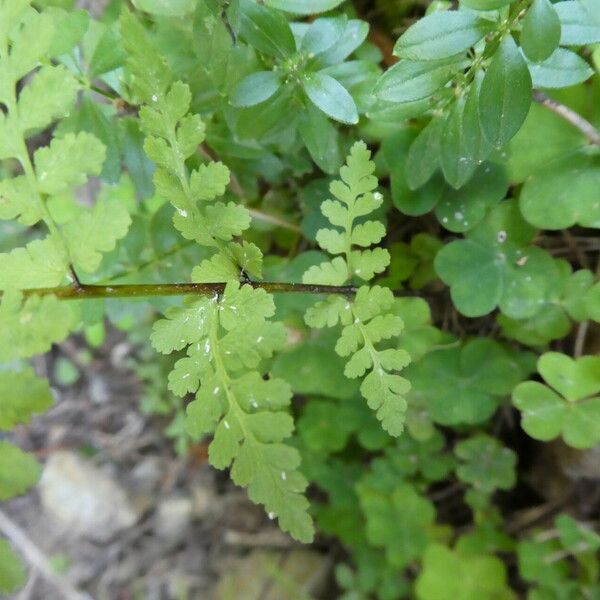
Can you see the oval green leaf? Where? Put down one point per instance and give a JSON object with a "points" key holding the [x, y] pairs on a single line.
{"points": [[330, 96], [563, 69], [505, 95], [540, 35], [442, 35], [256, 88]]}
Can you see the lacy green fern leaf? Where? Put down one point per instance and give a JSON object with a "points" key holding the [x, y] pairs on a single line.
{"points": [[367, 320], [227, 339], [173, 135]]}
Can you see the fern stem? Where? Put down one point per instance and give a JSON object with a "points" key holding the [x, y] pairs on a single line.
{"points": [[90, 292]]}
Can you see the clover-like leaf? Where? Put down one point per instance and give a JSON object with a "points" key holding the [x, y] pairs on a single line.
{"points": [[570, 410], [454, 574], [563, 193], [397, 520], [486, 464], [463, 385], [494, 267], [566, 300]]}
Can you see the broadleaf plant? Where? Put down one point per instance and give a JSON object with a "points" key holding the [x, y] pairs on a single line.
{"points": [[377, 339]]}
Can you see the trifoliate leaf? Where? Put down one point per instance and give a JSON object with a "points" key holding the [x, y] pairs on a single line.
{"points": [[49, 96], [68, 162], [40, 264], [575, 535], [313, 368], [462, 210], [483, 372], [419, 334], [411, 513], [21, 395], [543, 138], [592, 302], [12, 571], [493, 266], [453, 574], [573, 412], [95, 232], [18, 471], [563, 193], [574, 379], [486, 464]]}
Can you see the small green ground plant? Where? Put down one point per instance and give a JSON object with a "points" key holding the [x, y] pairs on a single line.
{"points": [[346, 269]]}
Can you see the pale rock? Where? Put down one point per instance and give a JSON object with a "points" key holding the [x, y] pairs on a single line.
{"points": [[173, 518], [83, 500]]}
